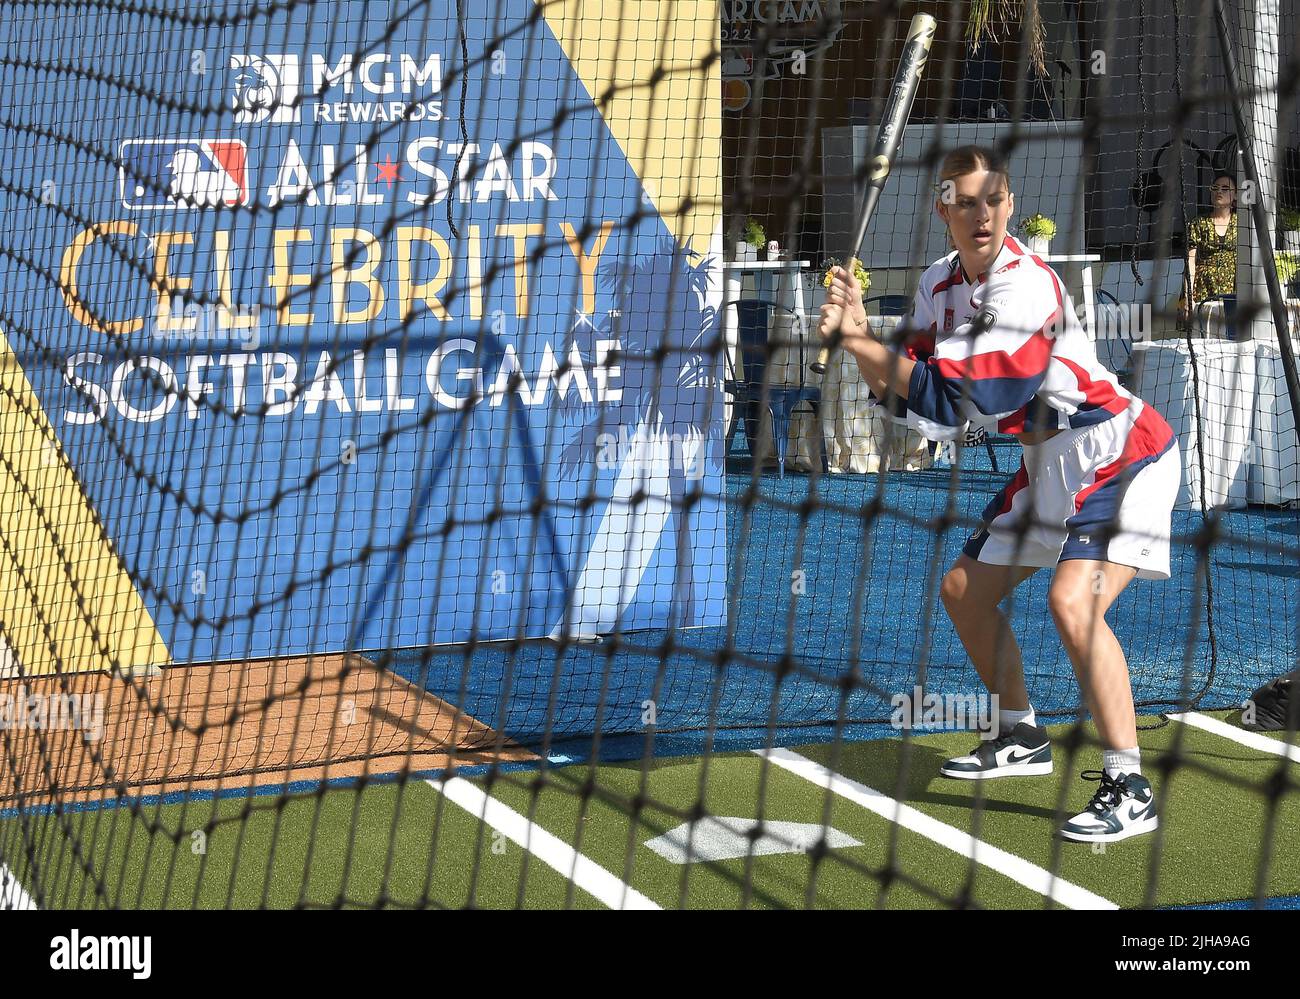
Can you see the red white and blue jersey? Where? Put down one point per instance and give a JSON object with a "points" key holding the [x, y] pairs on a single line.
{"points": [[1032, 369]]}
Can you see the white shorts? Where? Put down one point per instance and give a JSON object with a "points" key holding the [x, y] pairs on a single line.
{"points": [[1102, 492]]}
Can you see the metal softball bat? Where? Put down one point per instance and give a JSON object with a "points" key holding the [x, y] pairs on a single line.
{"points": [[916, 50]]}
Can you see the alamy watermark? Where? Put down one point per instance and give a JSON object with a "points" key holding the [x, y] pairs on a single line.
{"points": [[245, 327], [658, 456], [918, 709], [53, 712], [99, 952], [1132, 321]]}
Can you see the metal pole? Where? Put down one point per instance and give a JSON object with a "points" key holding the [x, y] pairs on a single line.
{"points": [[1259, 216]]}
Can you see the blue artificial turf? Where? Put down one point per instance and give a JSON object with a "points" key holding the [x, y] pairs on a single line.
{"points": [[1284, 902], [785, 666]]}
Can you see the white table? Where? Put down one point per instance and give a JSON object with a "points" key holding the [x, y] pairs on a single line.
{"points": [[1274, 473], [857, 433], [854, 431], [1246, 426]]}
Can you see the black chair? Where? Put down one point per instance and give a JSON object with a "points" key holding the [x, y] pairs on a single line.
{"points": [[890, 305], [1114, 328], [750, 392]]}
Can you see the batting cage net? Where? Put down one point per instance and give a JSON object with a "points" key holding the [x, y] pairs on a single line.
{"points": [[417, 487]]}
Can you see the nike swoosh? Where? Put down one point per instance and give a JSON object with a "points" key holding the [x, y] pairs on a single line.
{"points": [[1134, 814], [1013, 758]]}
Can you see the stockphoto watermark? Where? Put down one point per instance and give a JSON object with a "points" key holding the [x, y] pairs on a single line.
{"points": [[919, 709], [1128, 321], [22, 709]]}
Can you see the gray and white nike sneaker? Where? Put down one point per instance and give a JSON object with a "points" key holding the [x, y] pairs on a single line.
{"points": [[1123, 806], [1024, 751]]}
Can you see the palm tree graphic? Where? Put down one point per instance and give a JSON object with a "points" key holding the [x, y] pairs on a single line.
{"points": [[661, 438]]}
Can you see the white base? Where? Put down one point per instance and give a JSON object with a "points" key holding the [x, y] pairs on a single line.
{"points": [[1137, 829], [1018, 770]]}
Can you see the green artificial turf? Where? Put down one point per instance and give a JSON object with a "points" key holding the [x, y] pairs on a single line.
{"points": [[733, 785], [1215, 811], [344, 848], [1216, 815], [410, 846]]}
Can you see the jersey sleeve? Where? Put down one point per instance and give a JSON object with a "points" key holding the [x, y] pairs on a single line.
{"points": [[994, 369], [922, 318], [918, 345]]}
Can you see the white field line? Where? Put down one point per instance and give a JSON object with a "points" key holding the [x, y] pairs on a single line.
{"points": [[12, 893], [549, 849], [1016, 868], [1251, 739]]}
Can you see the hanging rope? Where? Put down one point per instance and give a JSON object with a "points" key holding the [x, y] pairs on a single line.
{"points": [[464, 133], [1141, 136]]}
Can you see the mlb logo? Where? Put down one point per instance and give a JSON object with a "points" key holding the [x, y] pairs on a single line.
{"points": [[265, 88], [183, 173]]}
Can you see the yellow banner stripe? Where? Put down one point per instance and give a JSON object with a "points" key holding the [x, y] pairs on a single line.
{"points": [[670, 130], [67, 604]]}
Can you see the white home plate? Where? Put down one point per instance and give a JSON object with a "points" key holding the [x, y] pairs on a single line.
{"points": [[721, 837]]}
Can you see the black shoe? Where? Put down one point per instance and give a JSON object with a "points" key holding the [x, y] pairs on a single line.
{"points": [[1022, 752], [1123, 806]]}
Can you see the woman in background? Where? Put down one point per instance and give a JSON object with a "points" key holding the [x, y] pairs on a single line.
{"points": [[1212, 247]]}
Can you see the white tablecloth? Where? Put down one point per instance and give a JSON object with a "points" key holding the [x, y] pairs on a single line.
{"points": [[856, 432], [1274, 471], [1246, 426]]}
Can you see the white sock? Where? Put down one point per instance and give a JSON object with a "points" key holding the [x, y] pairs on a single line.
{"points": [[1008, 719], [1121, 761]]}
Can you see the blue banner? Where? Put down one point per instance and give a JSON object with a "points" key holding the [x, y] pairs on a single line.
{"points": [[353, 342]]}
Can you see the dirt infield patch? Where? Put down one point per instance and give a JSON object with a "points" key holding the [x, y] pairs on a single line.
{"points": [[95, 736]]}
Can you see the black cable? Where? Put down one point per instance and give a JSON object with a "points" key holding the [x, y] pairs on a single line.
{"points": [[464, 133]]}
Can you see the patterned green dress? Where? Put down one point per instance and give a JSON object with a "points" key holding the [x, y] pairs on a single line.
{"points": [[1216, 258]]}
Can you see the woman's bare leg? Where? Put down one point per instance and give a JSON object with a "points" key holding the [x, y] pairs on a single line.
{"points": [[1083, 590], [971, 592]]}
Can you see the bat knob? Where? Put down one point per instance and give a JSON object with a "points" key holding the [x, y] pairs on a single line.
{"points": [[817, 368]]}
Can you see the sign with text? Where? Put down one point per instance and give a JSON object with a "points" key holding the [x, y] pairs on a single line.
{"points": [[350, 343]]}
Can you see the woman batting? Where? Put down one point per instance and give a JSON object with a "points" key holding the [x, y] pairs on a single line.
{"points": [[997, 343]]}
